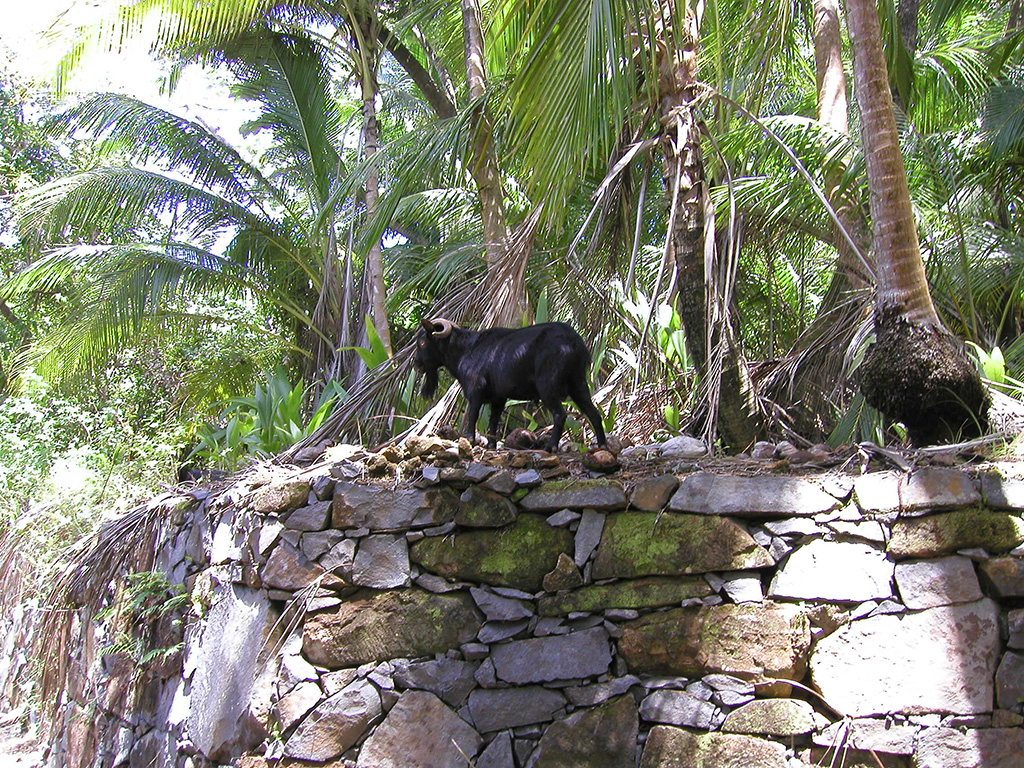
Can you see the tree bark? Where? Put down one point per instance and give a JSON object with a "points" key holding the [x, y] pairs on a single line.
{"points": [[506, 298], [915, 372], [375, 287], [731, 409]]}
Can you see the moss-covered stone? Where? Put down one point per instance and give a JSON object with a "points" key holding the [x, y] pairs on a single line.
{"points": [[399, 623], [651, 544], [386, 509], [771, 717], [942, 534], [751, 641], [638, 593], [669, 747], [483, 508], [280, 496], [518, 555]]}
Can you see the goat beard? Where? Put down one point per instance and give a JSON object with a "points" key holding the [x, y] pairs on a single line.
{"points": [[429, 383]]}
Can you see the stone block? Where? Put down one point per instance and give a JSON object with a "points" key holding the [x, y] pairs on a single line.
{"points": [[1010, 681], [753, 641], [518, 555], [558, 657], [931, 583], [929, 489], [599, 495], [401, 623], [312, 517], [650, 544], [674, 707], [652, 494], [1005, 576], [381, 562], [336, 724], [451, 680], [385, 509], [287, 568], [420, 732], [944, 534], [873, 734], [882, 664], [650, 592], [834, 571], [973, 748], [501, 708], [484, 508], [771, 717], [709, 494], [601, 737], [670, 747], [280, 496]]}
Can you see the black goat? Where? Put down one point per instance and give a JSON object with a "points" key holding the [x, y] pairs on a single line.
{"points": [[546, 362]]}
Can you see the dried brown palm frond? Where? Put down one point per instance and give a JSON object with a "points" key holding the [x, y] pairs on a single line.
{"points": [[121, 546]]}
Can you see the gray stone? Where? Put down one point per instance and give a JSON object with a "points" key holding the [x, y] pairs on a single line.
{"points": [[287, 568], [518, 555], [589, 695], [836, 571], [743, 587], [280, 496], [381, 562], [1010, 681], [562, 518], [497, 608], [651, 592], [1015, 625], [683, 447], [755, 641], [880, 665], [297, 703], [949, 532], [336, 724], [401, 623], [340, 557], [870, 530], [928, 489], [709, 494], [477, 472], [771, 717], [930, 583], [384, 509], [680, 708], [498, 753], [559, 657], [496, 631], [652, 544], [669, 747], [420, 732], [223, 656], [529, 479], [602, 737], [503, 482], [976, 748], [588, 535], [313, 517], [1003, 492], [317, 544], [501, 708], [1005, 575], [484, 508], [869, 734], [652, 494], [600, 495], [449, 679], [793, 527]]}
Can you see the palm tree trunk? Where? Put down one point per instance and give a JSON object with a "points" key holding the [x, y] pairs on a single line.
{"points": [[731, 409], [916, 372], [505, 300], [376, 289]]}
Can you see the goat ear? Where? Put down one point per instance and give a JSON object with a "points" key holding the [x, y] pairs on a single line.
{"points": [[428, 325]]}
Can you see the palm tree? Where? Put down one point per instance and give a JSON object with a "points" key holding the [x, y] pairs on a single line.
{"points": [[144, 240], [915, 372]]}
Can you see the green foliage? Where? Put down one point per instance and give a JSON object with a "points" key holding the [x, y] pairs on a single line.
{"points": [[376, 353], [63, 457], [266, 423], [147, 597]]}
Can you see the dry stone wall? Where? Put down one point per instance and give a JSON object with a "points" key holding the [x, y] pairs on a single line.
{"points": [[513, 616]]}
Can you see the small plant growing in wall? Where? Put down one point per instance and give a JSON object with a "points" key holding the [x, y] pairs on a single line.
{"points": [[145, 616]]}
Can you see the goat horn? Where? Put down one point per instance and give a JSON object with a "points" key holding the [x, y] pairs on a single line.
{"points": [[446, 327]]}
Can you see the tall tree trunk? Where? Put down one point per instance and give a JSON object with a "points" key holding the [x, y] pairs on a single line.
{"points": [[506, 299], [731, 407], [811, 376], [915, 372], [375, 288]]}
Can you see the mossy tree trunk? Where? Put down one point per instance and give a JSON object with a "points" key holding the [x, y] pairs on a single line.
{"points": [[916, 371]]}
